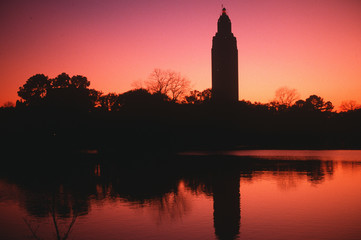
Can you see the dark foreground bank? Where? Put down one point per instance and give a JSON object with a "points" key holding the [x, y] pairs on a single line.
{"points": [[178, 127]]}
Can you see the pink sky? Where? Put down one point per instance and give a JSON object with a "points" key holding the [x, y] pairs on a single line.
{"points": [[312, 46]]}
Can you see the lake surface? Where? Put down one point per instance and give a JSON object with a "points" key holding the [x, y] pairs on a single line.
{"points": [[246, 194]]}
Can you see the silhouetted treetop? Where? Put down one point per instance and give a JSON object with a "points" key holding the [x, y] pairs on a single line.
{"points": [[139, 97], [79, 81], [197, 97], [284, 98], [110, 102], [61, 81], [134, 98], [350, 105], [169, 83], [61, 92], [34, 89], [314, 103], [8, 104]]}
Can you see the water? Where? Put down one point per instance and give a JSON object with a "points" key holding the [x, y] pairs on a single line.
{"points": [[268, 194]]}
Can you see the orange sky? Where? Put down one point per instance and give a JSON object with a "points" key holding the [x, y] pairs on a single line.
{"points": [[312, 46]]}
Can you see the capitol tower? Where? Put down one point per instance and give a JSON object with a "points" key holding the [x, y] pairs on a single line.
{"points": [[224, 63]]}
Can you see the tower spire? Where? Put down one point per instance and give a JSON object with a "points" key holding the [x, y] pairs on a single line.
{"points": [[224, 23]]}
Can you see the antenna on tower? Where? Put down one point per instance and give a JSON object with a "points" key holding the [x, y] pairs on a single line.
{"points": [[223, 9]]}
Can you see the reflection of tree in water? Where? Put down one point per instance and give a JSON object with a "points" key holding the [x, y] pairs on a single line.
{"points": [[289, 173], [157, 187], [353, 165], [172, 206], [52, 192], [62, 231], [64, 194], [315, 170], [62, 207], [287, 181]]}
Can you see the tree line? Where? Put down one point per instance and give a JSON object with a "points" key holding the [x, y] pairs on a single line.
{"points": [[162, 86], [163, 112], [74, 92]]}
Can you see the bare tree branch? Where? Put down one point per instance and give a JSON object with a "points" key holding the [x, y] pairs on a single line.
{"points": [[285, 96], [349, 105], [169, 83], [75, 215], [33, 232]]}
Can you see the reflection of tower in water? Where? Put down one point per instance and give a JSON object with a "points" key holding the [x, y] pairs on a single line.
{"points": [[226, 204]]}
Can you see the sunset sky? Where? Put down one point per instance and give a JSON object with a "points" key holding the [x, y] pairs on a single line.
{"points": [[313, 46]]}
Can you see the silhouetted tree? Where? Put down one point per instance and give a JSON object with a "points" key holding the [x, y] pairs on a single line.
{"points": [[299, 104], [314, 103], [284, 98], [141, 98], [350, 105], [34, 89], [61, 81], [61, 92], [169, 83], [8, 104], [317, 103], [94, 97], [79, 81], [196, 97], [206, 95], [193, 97], [110, 102]]}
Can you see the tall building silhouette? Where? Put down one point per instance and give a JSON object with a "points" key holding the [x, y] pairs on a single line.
{"points": [[224, 63]]}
